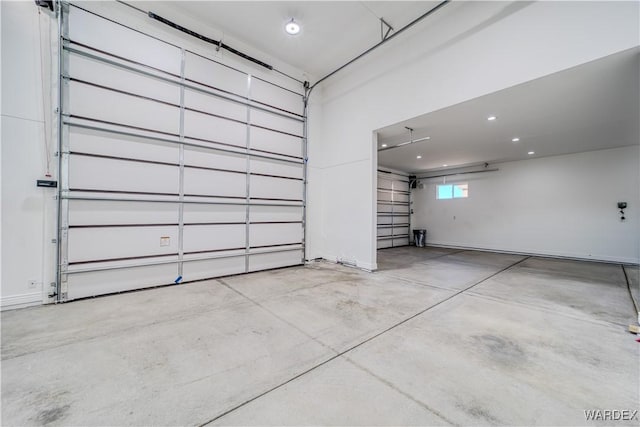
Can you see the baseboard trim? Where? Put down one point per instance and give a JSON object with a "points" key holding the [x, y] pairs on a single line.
{"points": [[20, 301], [573, 257]]}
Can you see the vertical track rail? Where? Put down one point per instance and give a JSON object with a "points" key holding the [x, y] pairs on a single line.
{"points": [[305, 162], [63, 182], [181, 163], [247, 217]]}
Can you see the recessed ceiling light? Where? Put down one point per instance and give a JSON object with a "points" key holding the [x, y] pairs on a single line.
{"points": [[383, 145], [531, 152], [491, 118], [418, 157], [515, 139], [292, 27], [445, 166]]}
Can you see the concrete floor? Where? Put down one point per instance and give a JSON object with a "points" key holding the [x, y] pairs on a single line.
{"points": [[436, 337]]}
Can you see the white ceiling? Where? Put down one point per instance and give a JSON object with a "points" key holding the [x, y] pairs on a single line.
{"points": [[590, 107], [333, 32]]}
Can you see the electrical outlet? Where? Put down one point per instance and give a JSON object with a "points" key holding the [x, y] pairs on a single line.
{"points": [[165, 241]]}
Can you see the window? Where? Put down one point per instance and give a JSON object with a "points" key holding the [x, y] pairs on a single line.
{"points": [[452, 191]]}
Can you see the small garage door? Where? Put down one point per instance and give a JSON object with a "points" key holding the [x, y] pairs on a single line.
{"points": [[393, 209], [175, 167]]}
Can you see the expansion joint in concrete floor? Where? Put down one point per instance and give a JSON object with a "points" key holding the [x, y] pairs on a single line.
{"points": [[231, 288], [344, 352], [633, 300]]}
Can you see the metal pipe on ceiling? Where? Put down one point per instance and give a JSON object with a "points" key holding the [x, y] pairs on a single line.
{"points": [[457, 173], [377, 45], [401, 144]]}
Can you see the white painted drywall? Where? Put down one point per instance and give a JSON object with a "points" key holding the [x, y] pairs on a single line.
{"points": [[560, 206], [28, 212], [466, 50]]}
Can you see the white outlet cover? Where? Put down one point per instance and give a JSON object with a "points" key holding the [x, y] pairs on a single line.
{"points": [[165, 241]]}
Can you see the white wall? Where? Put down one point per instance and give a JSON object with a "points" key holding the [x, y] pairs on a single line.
{"points": [[28, 212], [560, 206], [465, 50]]}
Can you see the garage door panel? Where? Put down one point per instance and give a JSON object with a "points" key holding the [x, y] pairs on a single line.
{"points": [[215, 129], [386, 243], [401, 242], [204, 269], [120, 108], [401, 208], [399, 197], [275, 213], [110, 144], [82, 285], [90, 212], [275, 260], [384, 196], [199, 238], [94, 71], [384, 184], [214, 159], [274, 234], [275, 96], [215, 75], [109, 243], [200, 201], [384, 208], [276, 122], [273, 167], [116, 175], [401, 231], [194, 213], [215, 105], [275, 142], [392, 210], [385, 232], [90, 29], [264, 187], [214, 183]]}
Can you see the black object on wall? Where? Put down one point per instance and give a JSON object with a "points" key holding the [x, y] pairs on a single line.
{"points": [[45, 3]]}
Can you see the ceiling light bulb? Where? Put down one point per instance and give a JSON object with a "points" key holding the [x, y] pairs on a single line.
{"points": [[491, 118], [444, 166], [418, 157], [531, 152], [292, 27], [515, 139], [384, 145]]}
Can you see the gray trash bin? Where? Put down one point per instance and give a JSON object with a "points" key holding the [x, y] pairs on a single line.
{"points": [[419, 237]]}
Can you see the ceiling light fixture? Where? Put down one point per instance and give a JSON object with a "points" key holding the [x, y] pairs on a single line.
{"points": [[444, 166], [384, 145], [418, 157], [531, 152], [491, 118], [515, 139], [292, 27]]}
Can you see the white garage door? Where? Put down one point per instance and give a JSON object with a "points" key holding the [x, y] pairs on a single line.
{"points": [[393, 209], [175, 167]]}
